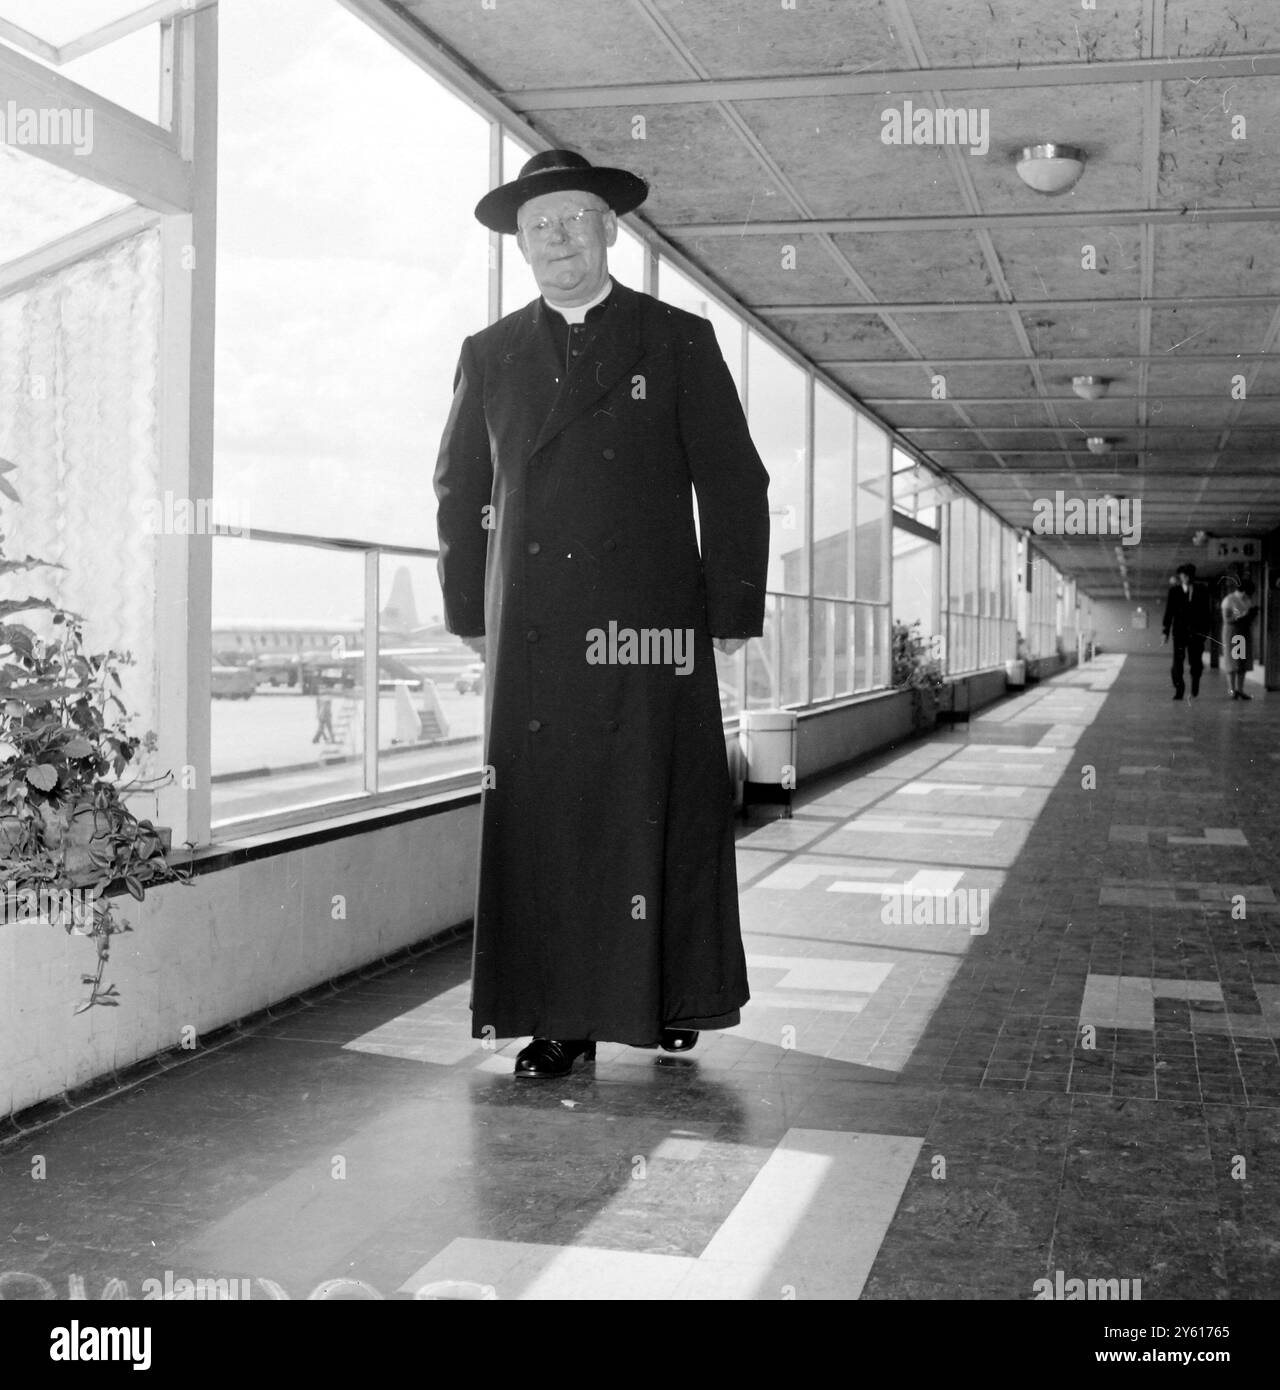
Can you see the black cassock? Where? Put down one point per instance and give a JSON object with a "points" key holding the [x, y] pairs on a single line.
{"points": [[606, 903]]}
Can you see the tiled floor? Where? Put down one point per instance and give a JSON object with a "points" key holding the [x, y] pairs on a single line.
{"points": [[1015, 1008]]}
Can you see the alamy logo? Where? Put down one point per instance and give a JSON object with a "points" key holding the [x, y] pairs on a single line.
{"points": [[646, 646], [76, 1343], [69, 908], [963, 907], [52, 125], [945, 125], [1106, 1290], [1061, 515]]}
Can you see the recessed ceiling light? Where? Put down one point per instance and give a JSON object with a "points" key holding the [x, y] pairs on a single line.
{"points": [[1090, 388], [1050, 168], [1098, 444]]}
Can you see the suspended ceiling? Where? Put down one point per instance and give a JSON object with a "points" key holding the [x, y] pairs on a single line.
{"points": [[929, 268]]}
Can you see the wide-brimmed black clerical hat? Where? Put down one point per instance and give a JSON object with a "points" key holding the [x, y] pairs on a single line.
{"points": [[551, 172]]}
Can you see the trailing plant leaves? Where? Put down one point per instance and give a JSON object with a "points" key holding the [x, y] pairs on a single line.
{"points": [[28, 562], [42, 776], [78, 747], [22, 605]]}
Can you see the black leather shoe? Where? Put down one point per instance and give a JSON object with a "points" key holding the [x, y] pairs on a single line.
{"points": [[1240, 695], [552, 1057], [678, 1039]]}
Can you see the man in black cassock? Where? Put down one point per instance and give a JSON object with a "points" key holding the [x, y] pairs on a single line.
{"points": [[581, 427]]}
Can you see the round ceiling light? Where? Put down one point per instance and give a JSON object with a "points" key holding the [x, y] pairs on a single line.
{"points": [[1098, 444], [1050, 168], [1089, 388]]}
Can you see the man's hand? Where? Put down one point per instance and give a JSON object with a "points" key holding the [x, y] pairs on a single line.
{"points": [[1164, 639], [477, 645], [729, 645]]}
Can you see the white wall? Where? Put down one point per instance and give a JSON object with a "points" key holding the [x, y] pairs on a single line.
{"points": [[226, 946]]}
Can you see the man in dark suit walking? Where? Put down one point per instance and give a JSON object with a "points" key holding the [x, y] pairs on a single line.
{"points": [[581, 428], [1188, 616]]}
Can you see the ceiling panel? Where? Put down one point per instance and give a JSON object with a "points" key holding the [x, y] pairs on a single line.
{"points": [[1200, 161], [921, 265], [775, 270], [840, 335], [1218, 258], [1094, 262], [1211, 330], [831, 147], [1110, 331], [1243, 26], [543, 44], [770, 40], [988, 32]]}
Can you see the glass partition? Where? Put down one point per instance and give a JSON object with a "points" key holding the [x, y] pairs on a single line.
{"points": [[287, 725], [431, 684]]}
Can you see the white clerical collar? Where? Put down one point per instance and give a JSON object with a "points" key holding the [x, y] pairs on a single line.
{"points": [[577, 313]]}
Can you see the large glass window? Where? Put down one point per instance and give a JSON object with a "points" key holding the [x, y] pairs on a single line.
{"points": [[1043, 604], [776, 415], [870, 551], [915, 581], [125, 70], [674, 287], [978, 603], [350, 268], [834, 495]]}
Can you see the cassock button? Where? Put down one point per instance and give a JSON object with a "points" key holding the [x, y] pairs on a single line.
{"points": [[535, 725], [534, 547], [611, 726], [609, 454], [531, 635]]}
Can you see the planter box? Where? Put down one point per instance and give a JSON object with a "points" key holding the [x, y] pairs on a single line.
{"points": [[954, 700], [924, 707]]}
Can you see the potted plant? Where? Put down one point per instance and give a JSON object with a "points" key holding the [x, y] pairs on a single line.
{"points": [[915, 668], [67, 835]]}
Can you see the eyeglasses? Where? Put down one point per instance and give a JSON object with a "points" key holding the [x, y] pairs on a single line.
{"points": [[575, 223]]}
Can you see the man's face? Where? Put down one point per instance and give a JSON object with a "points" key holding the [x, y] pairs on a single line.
{"points": [[1184, 579], [570, 261]]}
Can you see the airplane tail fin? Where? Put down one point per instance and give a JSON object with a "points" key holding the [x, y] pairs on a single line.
{"points": [[401, 612]]}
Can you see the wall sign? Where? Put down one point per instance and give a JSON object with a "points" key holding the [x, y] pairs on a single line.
{"points": [[1235, 548]]}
